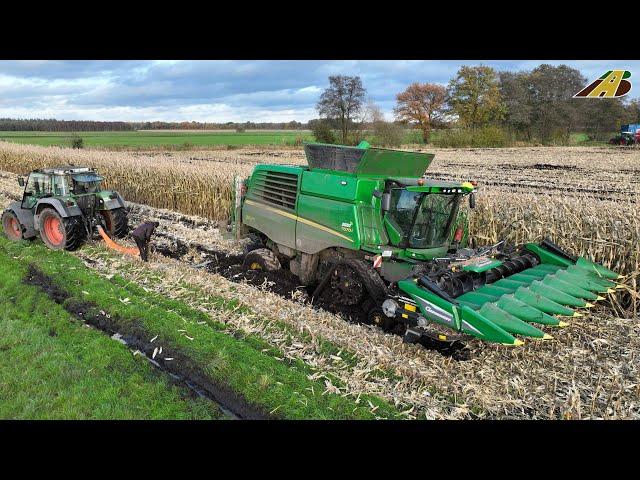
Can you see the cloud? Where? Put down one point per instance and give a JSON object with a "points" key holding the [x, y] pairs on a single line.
{"points": [[220, 91]]}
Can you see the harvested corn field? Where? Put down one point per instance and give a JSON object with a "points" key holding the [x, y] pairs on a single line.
{"points": [[585, 198], [589, 370]]}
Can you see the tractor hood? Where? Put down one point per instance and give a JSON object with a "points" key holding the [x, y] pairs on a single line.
{"points": [[365, 161]]}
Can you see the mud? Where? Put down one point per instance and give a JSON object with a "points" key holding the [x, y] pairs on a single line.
{"points": [[550, 166], [134, 335], [287, 285]]}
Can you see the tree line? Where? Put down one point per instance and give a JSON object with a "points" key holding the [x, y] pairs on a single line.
{"points": [[53, 125], [531, 106], [534, 106]]}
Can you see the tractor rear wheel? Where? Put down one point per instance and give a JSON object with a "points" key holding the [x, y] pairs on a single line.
{"points": [[11, 226], [261, 259], [116, 222], [59, 233]]}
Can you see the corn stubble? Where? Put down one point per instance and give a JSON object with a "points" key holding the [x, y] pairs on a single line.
{"points": [[591, 368], [584, 198]]}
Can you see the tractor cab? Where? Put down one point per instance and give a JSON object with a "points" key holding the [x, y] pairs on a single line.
{"points": [[58, 182]]}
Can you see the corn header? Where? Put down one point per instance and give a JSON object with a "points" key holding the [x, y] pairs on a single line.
{"points": [[365, 227]]}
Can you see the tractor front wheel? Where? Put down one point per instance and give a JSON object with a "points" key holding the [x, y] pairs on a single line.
{"points": [[116, 222], [261, 259], [11, 226], [59, 233]]}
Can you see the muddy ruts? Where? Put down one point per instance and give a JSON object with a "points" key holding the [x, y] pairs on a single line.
{"points": [[285, 284], [135, 335]]}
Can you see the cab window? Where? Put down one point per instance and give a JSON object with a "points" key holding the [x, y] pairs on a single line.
{"points": [[60, 185], [38, 186]]}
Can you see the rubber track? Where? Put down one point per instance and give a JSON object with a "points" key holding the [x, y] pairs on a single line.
{"points": [[372, 281]]}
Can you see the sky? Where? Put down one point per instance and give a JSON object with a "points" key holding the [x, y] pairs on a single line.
{"points": [[224, 90]]}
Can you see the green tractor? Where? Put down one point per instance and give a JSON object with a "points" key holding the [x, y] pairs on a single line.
{"points": [[65, 205], [364, 226]]}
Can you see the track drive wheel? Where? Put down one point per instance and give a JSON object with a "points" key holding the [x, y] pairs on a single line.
{"points": [[261, 259], [59, 233], [347, 286], [377, 317], [116, 222], [11, 226]]}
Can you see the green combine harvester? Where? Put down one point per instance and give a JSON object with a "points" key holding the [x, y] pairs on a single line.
{"points": [[365, 228]]}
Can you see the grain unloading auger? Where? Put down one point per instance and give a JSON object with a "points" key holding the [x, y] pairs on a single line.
{"points": [[364, 227]]}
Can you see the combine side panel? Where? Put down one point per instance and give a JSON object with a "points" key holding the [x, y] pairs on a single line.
{"points": [[270, 203], [324, 223]]}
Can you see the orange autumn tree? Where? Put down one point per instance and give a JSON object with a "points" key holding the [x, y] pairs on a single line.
{"points": [[422, 103]]}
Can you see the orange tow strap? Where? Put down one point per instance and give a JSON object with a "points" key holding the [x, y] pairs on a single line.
{"points": [[114, 246]]}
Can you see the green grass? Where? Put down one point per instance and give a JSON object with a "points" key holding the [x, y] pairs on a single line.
{"points": [[184, 139], [141, 139], [246, 364], [193, 293], [54, 367]]}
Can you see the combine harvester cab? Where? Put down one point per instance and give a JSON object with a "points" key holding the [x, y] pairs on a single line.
{"points": [[368, 225]]}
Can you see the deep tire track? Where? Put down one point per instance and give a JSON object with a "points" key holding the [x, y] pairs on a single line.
{"points": [[135, 335]]}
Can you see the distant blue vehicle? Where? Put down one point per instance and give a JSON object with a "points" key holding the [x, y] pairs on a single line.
{"points": [[629, 135], [632, 128]]}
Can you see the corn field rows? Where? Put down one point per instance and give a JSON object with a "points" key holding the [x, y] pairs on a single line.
{"points": [[587, 223]]}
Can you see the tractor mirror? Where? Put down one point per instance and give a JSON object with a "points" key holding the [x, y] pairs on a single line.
{"points": [[386, 202], [472, 200], [21, 181]]}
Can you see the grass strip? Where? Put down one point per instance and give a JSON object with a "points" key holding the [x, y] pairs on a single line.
{"points": [[275, 385], [54, 367]]}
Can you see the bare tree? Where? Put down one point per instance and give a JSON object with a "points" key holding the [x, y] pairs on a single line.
{"points": [[422, 103], [342, 101]]}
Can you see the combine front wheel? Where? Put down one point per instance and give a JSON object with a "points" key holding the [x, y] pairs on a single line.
{"points": [[11, 226], [262, 259], [58, 233]]}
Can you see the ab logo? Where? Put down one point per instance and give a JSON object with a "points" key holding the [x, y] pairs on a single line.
{"points": [[613, 84]]}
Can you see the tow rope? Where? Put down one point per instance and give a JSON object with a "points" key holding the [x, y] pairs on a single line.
{"points": [[114, 246]]}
